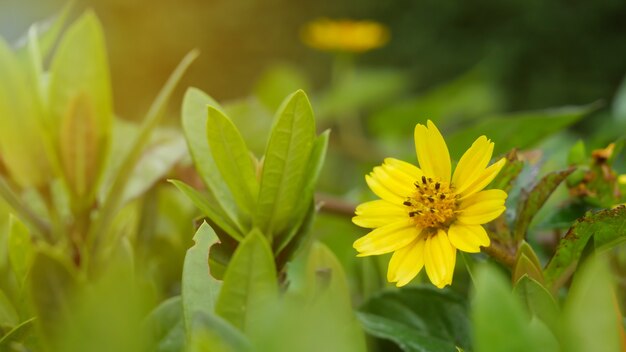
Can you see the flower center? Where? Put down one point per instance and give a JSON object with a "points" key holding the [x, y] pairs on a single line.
{"points": [[433, 204]]}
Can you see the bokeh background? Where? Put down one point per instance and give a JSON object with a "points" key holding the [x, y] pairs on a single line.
{"points": [[537, 54]]}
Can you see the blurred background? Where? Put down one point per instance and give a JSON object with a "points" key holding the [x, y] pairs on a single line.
{"points": [[536, 54]]}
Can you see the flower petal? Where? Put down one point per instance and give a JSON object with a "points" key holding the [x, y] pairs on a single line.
{"points": [[387, 238], [406, 262], [482, 207], [383, 192], [472, 164], [378, 213], [403, 170], [484, 178], [439, 259], [432, 152], [392, 182], [468, 238]]}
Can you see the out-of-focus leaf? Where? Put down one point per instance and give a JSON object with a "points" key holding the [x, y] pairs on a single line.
{"points": [[16, 334], [285, 164], [509, 172], [20, 249], [316, 162], [250, 283], [577, 154], [253, 120], [163, 153], [8, 314], [539, 302], [199, 288], [619, 102], [500, 323], [608, 228], [526, 267], [25, 162], [52, 283], [315, 313], [513, 131], [534, 200], [81, 102], [211, 333], [591, 315], [209, 208], [47, 32], [466, 97], [233, 159], [419, 318], [362, 90], [165, 328], [277, 82], [194, 118]]}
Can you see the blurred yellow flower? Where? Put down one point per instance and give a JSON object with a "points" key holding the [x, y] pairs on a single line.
{"points": [[425, 215], [345, 35], [622, 179]]}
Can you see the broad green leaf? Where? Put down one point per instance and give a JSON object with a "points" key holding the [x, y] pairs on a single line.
{"points": [[591, 314], [420, 318], [208, 208], [513, 131], [250, 284], [535, 199], [81, 103], [165, 328], [500, 323], [20, 249], [314, 168], [52, 282], [26, 162], [199, 288], [16, 334], [538, 301], [233, 159], [608, 228], [285, 164], [577, 154], [194, 120], [167, 149]]}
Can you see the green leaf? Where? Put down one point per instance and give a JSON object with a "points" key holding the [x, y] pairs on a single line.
{"points": [[47, 32], [277, 82], [20, 249], [8, 314], [619, 102], [608, 228], [538, 301], [26, 163], [535, 199], [80, 100], [577, 155], [165, 328], [419, 319], [16, 334], [208, 208], [250, 283], [512, 131], [509, 172], [592, 318], [160, 157], [314, 168], [212, 333], [285, 164], [500, 323], [199, 288], [194, 121], [233, 159], [524, 266]]}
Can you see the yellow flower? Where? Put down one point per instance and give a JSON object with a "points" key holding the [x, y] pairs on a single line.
{"points": [[425, 215], [344, 35]]}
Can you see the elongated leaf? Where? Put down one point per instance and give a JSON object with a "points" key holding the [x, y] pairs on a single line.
{"points": [[199, 288], [250, 283], [419, 319], [165, 328], [20, 249], [593, 321], [25, 162], [194, 121], [8, 314], [314, 168], [232, 159], [538, 301], [608, 228], [208, 208], [285, 165], [47, 32], [535, 199], [212, 333], [16, 334], [81, 102], [513, 131]]}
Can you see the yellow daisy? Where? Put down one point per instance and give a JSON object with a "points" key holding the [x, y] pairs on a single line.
{"points": [[425, 214], [344, 35]]}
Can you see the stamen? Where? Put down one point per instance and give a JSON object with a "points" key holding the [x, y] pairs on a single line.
{"points": [[424, 179], [433, 203], [407, 203], [437, 185]]}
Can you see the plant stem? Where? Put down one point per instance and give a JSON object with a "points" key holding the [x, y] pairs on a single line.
{"points": [[23, 212], [334, 205], [500, 253]]}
